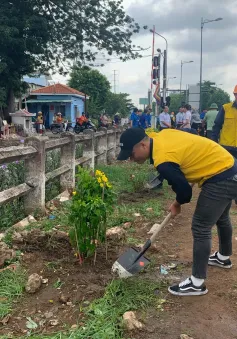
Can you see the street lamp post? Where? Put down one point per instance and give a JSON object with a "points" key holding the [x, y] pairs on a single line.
{"points": [[181, 76], [203, 22], [166, 58]]}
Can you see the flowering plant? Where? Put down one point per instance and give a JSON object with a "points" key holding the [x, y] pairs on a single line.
{"points": [[92, 200]]}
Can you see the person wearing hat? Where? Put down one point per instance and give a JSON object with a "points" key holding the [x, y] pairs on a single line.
{"points": [[209, 119], [183, 158], [225, 126]]}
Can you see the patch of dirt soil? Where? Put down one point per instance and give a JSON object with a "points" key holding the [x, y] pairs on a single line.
{"points": [[212, 316], [141, 196], [77, 284]]}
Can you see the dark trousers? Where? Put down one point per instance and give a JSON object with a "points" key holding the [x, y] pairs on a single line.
{"points": [[212, 208], [209, 134]]}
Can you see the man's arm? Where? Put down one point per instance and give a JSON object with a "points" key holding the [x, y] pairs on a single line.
{"points": [[175, 177], [219, 121]]}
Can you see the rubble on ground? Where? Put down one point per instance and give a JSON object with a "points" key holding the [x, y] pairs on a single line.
{"points": [[34, 283], [131, 321]]}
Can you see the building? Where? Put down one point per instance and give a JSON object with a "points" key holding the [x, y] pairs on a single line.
{"points": [[54, 99], [36, 82]]}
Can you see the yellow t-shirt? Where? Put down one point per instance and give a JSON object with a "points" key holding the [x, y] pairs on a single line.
{"points": [[199, 158]]}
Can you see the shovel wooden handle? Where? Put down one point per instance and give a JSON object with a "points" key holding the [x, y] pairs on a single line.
{"points": [[159, 228], [163, 224]]}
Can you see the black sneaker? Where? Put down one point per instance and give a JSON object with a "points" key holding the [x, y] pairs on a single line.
{"points": [[187, 288], [215, 261]]}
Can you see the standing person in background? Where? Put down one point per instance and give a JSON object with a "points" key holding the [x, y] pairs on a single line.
{"points": [[165, 120], [209, 119], [225, 126], [195, 120], [202, 114], [180, 118], [134, 118], [143, 119], [187, 117], [117, 119], [148, 118]]}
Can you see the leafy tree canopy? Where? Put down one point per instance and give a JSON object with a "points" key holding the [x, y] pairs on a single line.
{"points": [[118, 103], [37, 36], [213, 94], [93, 83]]}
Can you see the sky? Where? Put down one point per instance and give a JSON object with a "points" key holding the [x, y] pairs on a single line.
{"points": [[179, 22]]}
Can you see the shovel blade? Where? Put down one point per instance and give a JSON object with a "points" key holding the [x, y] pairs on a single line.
{"points": [[125, 266]]}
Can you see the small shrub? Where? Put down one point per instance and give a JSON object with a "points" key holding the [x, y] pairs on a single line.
{"points": [[92, 200]]}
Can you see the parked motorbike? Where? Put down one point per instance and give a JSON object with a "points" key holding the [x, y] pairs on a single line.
{"points": [[57, 128], [87, 125]]}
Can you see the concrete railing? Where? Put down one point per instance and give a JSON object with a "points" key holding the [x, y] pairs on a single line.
{"points": [[97, 148]]}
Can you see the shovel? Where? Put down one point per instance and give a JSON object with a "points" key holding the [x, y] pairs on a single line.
{"points": [[153, 183], [132, 261]]}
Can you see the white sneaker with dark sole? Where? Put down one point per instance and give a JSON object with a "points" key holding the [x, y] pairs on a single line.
{"points": [[215, 261], [187, 288]]}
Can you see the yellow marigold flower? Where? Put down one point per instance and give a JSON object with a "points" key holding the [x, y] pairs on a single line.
{"points": [[99, 180], [97, 173], [104, 178], [74, 193], [101, 185]]}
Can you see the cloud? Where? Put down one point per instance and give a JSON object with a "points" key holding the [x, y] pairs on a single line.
{"points": [[179, 21]]}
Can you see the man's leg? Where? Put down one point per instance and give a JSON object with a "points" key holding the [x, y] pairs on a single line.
{"points": [[210, 206], [224, 227]]}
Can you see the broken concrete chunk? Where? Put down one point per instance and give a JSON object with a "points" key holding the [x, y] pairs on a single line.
{"points": [[17, 238], [116, 233], [127, 225], [6, 253], [33, 284], [131, 321]]}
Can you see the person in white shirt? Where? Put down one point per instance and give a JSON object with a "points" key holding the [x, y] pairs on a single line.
{"points": [[165, 120], [180, 118], [187, 116]]}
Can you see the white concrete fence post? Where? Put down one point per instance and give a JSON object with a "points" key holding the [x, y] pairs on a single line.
{"points": [[35, 176]]}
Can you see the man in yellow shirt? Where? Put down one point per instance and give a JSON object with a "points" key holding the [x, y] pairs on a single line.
{"points": [[183, 158]]}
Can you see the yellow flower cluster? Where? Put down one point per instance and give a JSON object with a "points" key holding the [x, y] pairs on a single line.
{"points": [[102, 179]]}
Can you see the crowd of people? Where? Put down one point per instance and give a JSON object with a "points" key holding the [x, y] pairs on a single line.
{"points": [[186, 119], [141, 118]]}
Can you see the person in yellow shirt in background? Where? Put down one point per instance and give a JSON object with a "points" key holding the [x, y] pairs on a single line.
{"points": [[183, 158]]}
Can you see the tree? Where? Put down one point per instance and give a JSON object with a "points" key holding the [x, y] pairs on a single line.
{"points": [[37, 36], [212, 94], [118, 103], [176, 100], [94, 84]]}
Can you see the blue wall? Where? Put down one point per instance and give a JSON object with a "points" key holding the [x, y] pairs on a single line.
{"points": [[68, 109]]}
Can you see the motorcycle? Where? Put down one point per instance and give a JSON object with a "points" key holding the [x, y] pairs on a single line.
{"points": [[87, 125], [57, 128]]}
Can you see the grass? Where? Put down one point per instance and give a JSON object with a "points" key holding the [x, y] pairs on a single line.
{"points": [[104, 316], [11, 287], [124, 213], [128, 177]]}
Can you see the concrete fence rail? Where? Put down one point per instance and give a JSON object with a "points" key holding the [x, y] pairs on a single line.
{"points": [[97, 148]]}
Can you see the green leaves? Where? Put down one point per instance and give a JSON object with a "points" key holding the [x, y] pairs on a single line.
{"points": [[92, 200], [41, 35]]}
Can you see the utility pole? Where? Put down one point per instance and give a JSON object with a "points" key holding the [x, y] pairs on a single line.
{"points": [[165, 76], [115, 81]]}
